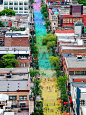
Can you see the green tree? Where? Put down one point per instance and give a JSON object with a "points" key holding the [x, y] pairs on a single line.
{"points": [[82, 2], [34, 73], [45, 14], [55, 61], [36, 90], [61, 84], [49, 37], [9, 61], [38, 111], [7, 12], [1, 64], [1, 24], [43, 9], [51, 47]]}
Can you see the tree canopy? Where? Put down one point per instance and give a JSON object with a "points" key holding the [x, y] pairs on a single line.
{"points": [[61, 83], [55, 61], [7, 12], [9, 61], [82, 2], [1, 24], [49, 37]]}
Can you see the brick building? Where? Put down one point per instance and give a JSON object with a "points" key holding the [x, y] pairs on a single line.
{"points": [[16, 38]]}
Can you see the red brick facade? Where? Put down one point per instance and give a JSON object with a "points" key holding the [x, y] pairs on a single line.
{"points": [[16, 42], [23, 61]]}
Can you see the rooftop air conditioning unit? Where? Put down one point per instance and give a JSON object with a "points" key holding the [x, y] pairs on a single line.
{"points": [[79, 57]]}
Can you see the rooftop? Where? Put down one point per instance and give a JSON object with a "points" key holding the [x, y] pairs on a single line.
{"points": [[67, 55], [14, 77], [79, 84], [14, 70], [16, 34], [13, 85], [72, 62], [72, 48]]}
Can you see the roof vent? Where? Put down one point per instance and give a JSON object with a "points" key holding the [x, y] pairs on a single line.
{"points": [[79, 57]]}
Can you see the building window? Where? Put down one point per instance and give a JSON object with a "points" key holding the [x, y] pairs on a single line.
{"points": [[24, 97], [20, 11], [25, 3], [71, 72], [25, 8], [67, 20], [20, 3], [5, 3], [11, 8], [81, 19], [79, 72], [15, 3], [5, 7], [12, 97], [21, 64], [15, 8], [74, 20], [20, 8], [3, 22], [64, 20], [16, 11], [54, 23], [25, 64], [10, 3], [6, 22], [71, 20]]}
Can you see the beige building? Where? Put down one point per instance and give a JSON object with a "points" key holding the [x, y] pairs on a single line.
{"points": [[53, 20]]}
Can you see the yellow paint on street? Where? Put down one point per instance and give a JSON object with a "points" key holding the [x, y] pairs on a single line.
{"points": [[51, 104]]}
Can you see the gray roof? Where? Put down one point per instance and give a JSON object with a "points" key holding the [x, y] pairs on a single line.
{"points": [[14, 77], [72, 62], [13, 85], [79, 84], [14, 70]]}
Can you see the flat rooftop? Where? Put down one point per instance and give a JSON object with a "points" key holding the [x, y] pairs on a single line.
{"points": [[72, 48], [13, 85], [14, 70], [79, 84], [72, 62], [14, 77]]}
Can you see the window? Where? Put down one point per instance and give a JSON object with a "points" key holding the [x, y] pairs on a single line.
{"points": [[10, 3], [6, 22], [54, 23], [11, 8], [70, 20], [20, 11], [67, 20], [25, 3], [64, 20], [25, 64], [5, 7], [16, 11], [12, 97], [79, 72], [71, 72], [21, 64], [20, 8], [5, 3], [3, 22], [20, 3], [73, 20], [16, 3], [15, 8], [81, 19], [24, 97], [25, 8]]}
